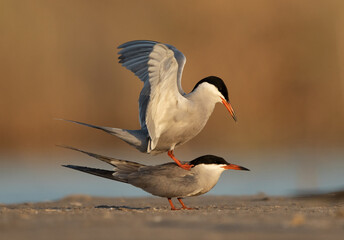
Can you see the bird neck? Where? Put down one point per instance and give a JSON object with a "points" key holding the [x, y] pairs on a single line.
{"points": [[208, 175], [204, 97]]}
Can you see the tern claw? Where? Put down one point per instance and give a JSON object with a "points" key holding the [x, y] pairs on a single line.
{"points": [[186, 166], [172, 206], [183, 205]]}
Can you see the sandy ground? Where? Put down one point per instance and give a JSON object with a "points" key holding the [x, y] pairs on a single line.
{"points": [[220, 217]]}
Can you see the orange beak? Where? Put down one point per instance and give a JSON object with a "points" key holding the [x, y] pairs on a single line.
{"points": [[229, 108], [235, 167]]}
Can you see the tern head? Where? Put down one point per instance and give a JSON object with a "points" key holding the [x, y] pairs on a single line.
{"points": [[221, 91], [214, 162]]}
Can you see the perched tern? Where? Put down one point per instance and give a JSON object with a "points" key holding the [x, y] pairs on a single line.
{"points": [[168, 116], [165, 180]]}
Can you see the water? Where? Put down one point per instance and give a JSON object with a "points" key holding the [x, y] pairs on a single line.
{"points": [[273, 173]]}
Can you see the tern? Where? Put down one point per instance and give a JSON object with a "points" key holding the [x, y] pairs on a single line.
{"points": [[168, 116], [166, 180]]}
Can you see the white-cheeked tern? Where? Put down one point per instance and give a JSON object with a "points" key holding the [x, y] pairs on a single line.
{"points": [[165, 180], [168, 116]]}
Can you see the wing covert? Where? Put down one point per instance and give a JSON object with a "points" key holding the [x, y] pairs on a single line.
{"points": [[160, 67]]}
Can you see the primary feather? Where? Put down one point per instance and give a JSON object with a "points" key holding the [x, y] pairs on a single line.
{"points": [[160, 67]]}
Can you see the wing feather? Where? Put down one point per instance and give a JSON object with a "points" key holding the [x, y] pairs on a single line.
{"points": [[160, 67]]}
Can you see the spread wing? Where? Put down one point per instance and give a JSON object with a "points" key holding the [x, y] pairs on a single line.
{"points": [[160, 67]]}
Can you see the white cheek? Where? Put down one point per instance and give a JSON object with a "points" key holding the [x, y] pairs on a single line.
{"points": [[213, 92], [215, 168]]}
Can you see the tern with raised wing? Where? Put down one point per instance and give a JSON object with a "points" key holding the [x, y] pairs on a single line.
{"points": [[165, 180], [168, 116]]}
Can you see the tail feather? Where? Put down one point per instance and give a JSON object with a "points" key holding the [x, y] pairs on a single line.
{"points": [[136, 138], [108, 160], [122, 166], [97, 172]]}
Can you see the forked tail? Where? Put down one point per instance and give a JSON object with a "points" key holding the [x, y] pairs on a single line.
{"points": [[97, 172], [136, 138]]}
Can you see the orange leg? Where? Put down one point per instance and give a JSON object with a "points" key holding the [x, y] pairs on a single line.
{"points": [[172, 206], [185, 166], [183, 205]]}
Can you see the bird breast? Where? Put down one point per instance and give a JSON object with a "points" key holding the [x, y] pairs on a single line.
{"points": [[183, 122]]}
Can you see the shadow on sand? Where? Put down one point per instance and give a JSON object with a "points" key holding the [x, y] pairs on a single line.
{"points": [[122, 207]]}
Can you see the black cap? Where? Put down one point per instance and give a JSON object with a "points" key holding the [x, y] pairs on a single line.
{"points": [[217, 82], [208, 159]]}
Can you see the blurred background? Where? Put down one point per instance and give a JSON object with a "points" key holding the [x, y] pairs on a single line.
{"points": [[281, 60]]}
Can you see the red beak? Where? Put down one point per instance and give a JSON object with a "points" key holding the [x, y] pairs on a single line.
{"points": [[229, 108], [235, 167]]}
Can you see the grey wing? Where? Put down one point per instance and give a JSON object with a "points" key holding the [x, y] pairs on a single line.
{"points": [[152, 63], [181, 60], [166, 180]]}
